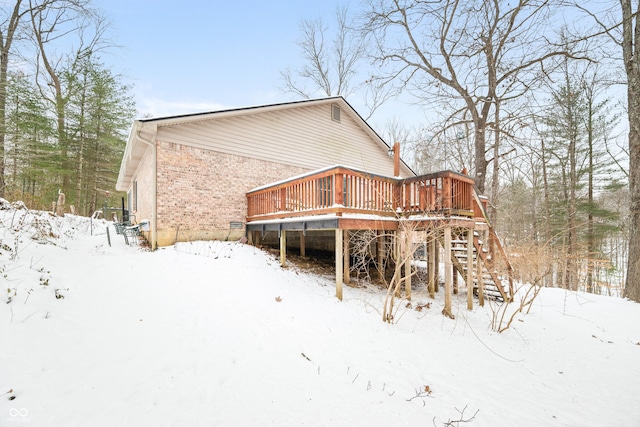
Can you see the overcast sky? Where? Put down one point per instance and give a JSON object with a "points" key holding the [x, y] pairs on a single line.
{"points": [[203, 55], [199, 55]]}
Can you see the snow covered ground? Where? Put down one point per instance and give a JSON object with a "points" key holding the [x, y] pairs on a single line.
{"points": [[218, 334]]}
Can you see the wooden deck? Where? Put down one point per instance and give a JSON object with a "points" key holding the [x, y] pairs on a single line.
{"points": [[340, 190], [343, 199]]}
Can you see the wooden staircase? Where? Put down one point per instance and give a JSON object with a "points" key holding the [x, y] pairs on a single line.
{"points": [[487, 280]]}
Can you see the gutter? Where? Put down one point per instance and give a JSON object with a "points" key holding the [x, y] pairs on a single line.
{"points": [[154, 185]]}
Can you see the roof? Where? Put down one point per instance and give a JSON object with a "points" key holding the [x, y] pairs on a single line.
{"points": [[146, 128]]}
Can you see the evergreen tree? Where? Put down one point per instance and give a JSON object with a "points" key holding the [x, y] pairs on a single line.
{"points": [[30, 148], [100, 110], [576, 129]]}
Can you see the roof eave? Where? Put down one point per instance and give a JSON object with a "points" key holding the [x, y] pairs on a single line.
{"points": [[133, 153]]}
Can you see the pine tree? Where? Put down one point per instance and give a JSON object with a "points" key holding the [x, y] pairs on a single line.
{"points": [[576, 130], [29, 143], [102, 108]]}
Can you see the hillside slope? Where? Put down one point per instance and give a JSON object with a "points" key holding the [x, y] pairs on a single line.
{"points": [[206, 334]]}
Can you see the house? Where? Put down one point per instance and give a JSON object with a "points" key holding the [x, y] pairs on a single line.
{"points": [[188, 175], [306, 175]]}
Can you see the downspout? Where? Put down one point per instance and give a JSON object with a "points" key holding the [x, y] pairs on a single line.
{"points": [[154, 185]]}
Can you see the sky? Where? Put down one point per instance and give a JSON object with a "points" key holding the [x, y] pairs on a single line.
{"points": [[200, 55]]}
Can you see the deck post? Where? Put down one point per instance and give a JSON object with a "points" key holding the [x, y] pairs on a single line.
{"points": [[339, 263], [283, 199], [454, 276], [447, 272], [283, 248], [398, 238], [380, 239], [339, 187], [469, 278], [408, 255], [436, 257], [431, 261], [347, 259], [303, 246], [480, 278], [446, 193]]}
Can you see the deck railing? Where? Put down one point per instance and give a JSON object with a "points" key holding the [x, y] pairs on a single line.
{"points": [[445, 193], [342, 190]]}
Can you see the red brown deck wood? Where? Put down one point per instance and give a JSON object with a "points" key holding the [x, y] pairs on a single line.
{"points": [[342, 190], [346, 199]]}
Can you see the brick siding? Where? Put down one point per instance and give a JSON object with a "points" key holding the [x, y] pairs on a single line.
{"points": [[200, 192]]}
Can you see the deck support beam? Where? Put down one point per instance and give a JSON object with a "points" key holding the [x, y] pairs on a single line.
{"points": [[339, 262], [469, 278], [408, 257], [303, 247], [448, 265], [254, 237], [347, 259], [380, 253], [436, 257], [454, 276], [397, 256], [283, 248], [479, 276], [432, 266]]}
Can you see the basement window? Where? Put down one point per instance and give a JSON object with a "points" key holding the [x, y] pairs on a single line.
{"points": [[335, 113], [236, 225]]}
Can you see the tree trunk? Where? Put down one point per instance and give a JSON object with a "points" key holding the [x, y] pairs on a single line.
{"points": [[632, 286], [591, 249], [572, 266], [4, 57], [481, 160], [6, 40], [495, 175], [630, 47]]}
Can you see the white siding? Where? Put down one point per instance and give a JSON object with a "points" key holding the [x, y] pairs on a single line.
{"points": [[144, 179], [304, 136]]}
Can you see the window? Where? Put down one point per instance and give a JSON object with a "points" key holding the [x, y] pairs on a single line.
{"points": [[335, 113], [134, 198]]}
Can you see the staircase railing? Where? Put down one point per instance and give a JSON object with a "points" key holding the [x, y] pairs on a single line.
{"points": [[494, 240]]}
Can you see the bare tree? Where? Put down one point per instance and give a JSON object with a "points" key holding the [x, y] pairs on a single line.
{"points": [[332, 62], [330, 65], [482, 53]]}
